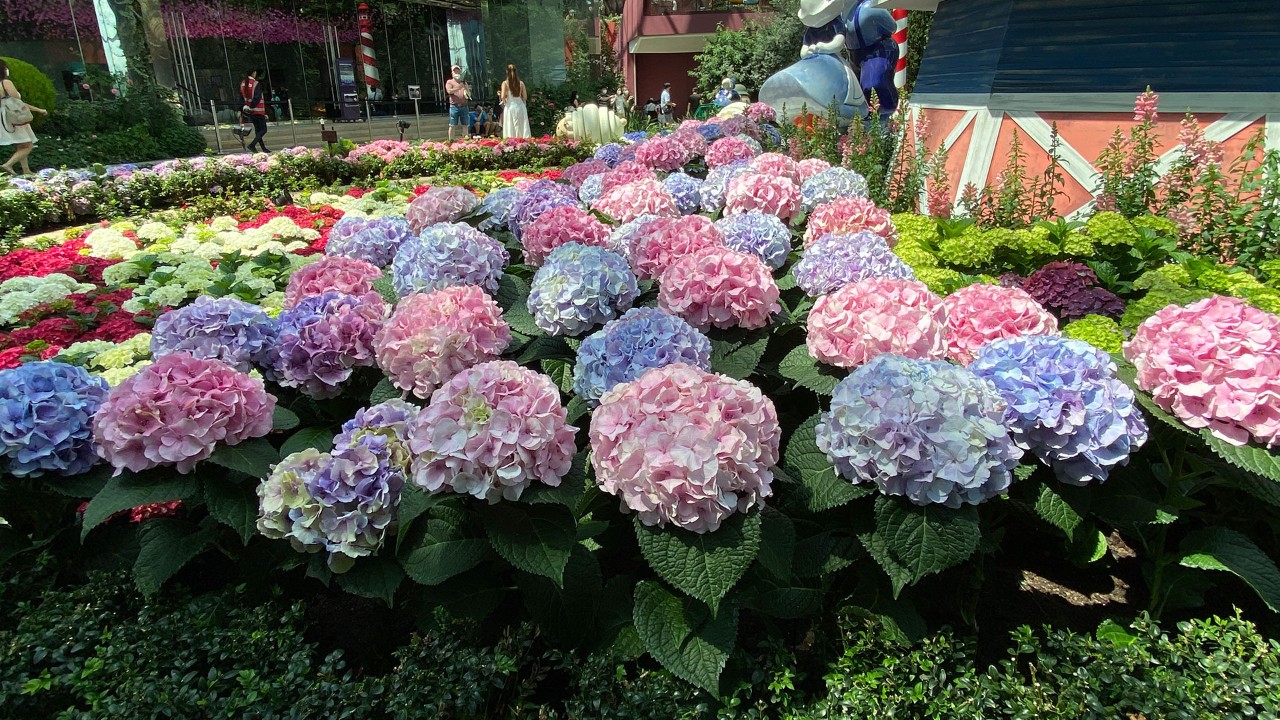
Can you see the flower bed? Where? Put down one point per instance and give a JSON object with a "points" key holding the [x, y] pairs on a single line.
{"points": [[639, 419]]}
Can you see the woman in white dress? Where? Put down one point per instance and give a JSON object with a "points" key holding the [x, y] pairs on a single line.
{"points": [[21, 137], [515, 114]]}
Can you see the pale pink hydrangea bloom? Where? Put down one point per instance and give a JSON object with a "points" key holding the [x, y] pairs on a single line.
{"points": [[692, 140], [759, 112], [879, 315], [980, 313], [1215, 364], [769, 194], [847, 216], [433, 336], [625, 173], [643, 197], [719, 287], [727, 150], [559, 226], [809, 167], [663, 241], [664, 153], [772, 163], [686, 447], [177, 410], [331, 273], [440, 204], [492, 432]]}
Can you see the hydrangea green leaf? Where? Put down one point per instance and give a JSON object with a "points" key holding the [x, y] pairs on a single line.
{"points": [[684, 635], [706, 565], [910, 541]]}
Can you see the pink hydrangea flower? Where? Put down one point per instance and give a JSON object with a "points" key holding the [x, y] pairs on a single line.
{"points": [[879, 315], [177, 410], [433, 336], [767, 193], [559, 226], [625, 173], [848, 216], [809, 167], [692, 140], [330, 273], [980, 313], [662, 152], [1215, 364], [643, 197], [772, 163], [728, 149], [758, 112], [440, 204], [491, 432], [686, 447], [719, 287], [661, 242]]}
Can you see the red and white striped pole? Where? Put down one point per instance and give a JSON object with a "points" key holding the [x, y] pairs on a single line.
{"points": [[368, 60], [900, 36]]}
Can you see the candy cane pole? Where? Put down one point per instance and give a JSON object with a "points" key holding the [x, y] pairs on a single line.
{"points": [[900, 36], [367, 58]]}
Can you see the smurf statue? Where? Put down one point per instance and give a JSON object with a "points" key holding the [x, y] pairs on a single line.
{"points": [[825, 73], [726, 93]]}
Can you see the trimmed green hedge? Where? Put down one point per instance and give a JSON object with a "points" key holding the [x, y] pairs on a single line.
{"points": [[35, 88]]}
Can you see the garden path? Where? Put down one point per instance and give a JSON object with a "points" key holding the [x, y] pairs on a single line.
{"points": [[307, 132]]}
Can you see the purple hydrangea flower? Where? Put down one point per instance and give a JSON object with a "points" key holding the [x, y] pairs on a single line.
{"points": [[926, 430], [228, 329], [497, 205], [640, 340], [710, 130], [323, 338], [717, 183], [830, 184], [46, 418], [373, 240], [609, 153], [580, 286], [838, 260], [577, 172], [448, 254], [1065, 404], [686, 191], [538, 198], [761, 234]]}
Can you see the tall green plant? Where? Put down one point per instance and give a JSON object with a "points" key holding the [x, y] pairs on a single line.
{"points": [[764, 46]]}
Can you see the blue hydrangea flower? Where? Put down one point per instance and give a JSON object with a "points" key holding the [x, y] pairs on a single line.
{"points": [[591, 189], [1065, 404], [775, 135], [838, 260], [608, 152], [497, 205], [580, 286], [448, 254], [686, 190], [635, 136], [46, 418], [717, 183], [537, 199], [830, 184], [926, 430], [374, 240], [710, 131], [640, 340], [229, 329], [758, 233]]}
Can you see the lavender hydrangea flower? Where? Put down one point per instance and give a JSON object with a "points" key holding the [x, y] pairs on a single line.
{"points": [[640, 340], [830, 184], [1065, 404], [686, 190], [445, 255], [46, 418], [498, 205], [710, 130], [537, 199], [926, 430], [716, 185], [609, 153], [323, 338], [592, 189], [580, 286], [838, 260], [635, 136], [238, 333], [761, 234], [373, 240], [392, 416]]}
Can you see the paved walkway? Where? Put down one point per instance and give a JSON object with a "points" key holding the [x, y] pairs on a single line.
{"points": [[307, 132]]}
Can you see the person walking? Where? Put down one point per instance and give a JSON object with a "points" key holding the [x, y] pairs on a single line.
{"points": [[622, 103], [16, 130], [459, 94], [695, 102], [665, 105], [254, 109], [515, 113]]}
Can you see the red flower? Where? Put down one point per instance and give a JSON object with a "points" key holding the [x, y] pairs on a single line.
{"points": [[154, 510], [12, 357]]}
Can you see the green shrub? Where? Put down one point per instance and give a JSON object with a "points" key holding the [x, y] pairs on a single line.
{"points": [[35, 88]]}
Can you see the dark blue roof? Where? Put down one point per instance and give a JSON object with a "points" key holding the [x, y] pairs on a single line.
{"points": [[1101, 46]]}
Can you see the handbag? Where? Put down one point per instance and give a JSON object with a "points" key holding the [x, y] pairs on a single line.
{"points": [[14, 113]]}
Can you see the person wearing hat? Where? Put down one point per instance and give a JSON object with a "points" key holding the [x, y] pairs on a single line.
{"points": [[459, 101], [665, 105]]}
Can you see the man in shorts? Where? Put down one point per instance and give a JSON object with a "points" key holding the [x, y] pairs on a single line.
{"points": [[459, 102]]}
